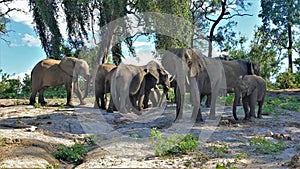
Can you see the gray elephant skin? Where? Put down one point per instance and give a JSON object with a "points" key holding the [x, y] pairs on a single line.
{"points": [[233, 70], [253, 89], [130, 85], [50, 72], [102, 83], [191, 71]]}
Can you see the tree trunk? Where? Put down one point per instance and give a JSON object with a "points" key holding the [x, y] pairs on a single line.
{"points": [[290, 50]]}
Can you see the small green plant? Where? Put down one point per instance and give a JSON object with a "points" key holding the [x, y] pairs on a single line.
{"points": [[268, 109], [2, 142], [37, 105], [73, 154], [136, 136], [229, 100], [290, 106], [225, 165], [171, 95], [52, 166], [298, 147], [20, 120], [265, 146], [176, 144], [239, 157], [91, 140], [219, 149]]}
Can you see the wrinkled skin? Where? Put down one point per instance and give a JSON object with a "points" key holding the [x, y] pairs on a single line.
{"points": [[252, 88], [102, 84], [233, 70], [50, 72], [130, 84], [191, 71]]}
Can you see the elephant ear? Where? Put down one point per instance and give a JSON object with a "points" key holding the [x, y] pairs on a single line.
{"points": [[196, 64], [137, 82], [154, 69], [67, 64]]}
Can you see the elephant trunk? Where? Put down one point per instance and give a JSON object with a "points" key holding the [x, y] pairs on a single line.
{"points": [[87, 85]]}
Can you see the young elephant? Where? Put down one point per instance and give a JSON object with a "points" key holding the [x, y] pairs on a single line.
{"points": [[101, 87], [252, 88]]}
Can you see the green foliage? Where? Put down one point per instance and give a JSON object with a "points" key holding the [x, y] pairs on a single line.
{"points": [[298, 147], [265, 146], [91, 140], [229, 100], [268, 109], [219, 149], [73, 154], [225, 165], [52, 166], [171, 95], [174, 145], [287, 80], [37, 105], [55, 92]]}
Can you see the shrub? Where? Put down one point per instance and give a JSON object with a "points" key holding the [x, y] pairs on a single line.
{"points": [[73, 154], [176, 144], [265, 146]]}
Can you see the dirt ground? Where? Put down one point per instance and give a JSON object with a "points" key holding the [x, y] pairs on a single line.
{"points": [[29, 136]]}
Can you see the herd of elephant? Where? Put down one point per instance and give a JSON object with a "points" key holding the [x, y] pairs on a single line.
{"points": [[184, 69]]}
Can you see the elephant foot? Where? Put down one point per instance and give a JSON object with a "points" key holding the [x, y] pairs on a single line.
{"points": [[109, 110], [32, 102], [43, 103], [70, 105]]}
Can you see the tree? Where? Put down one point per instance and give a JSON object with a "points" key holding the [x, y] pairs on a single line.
{"points": [[281, 22], [215, 11], [4, 14]]}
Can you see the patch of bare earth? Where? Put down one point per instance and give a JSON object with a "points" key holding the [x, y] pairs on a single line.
{"points": [[29, 136]]}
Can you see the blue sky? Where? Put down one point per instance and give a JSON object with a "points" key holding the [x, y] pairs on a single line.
{"points": [[25, 50]]}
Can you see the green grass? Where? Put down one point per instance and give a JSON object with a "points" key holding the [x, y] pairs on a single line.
{"points": [[265, 146]]}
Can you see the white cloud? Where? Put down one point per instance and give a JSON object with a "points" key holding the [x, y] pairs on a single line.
{"points": [[21, 75], [31, 41], [18, 16]]}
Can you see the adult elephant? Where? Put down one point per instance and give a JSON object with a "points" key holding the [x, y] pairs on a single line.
{"points": [[50, 72], [253, 89], [195, 73], [131, 83], [102, 84]]}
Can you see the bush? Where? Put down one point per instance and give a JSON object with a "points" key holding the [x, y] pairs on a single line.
{"points": [[265, 146], [288, 80], [176, 144], [73, 154]]}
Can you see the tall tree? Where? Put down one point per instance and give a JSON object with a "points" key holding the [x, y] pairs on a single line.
{"points": [[216, 11], [5, 11], [281, 22]]}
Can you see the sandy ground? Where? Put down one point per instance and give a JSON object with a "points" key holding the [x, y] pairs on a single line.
{"points": [[29, 136]]}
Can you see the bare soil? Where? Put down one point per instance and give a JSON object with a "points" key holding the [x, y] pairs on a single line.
{"points": [[29, 136]]}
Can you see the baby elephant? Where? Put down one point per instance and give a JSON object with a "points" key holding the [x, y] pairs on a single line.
{"points": [[252, 89]]}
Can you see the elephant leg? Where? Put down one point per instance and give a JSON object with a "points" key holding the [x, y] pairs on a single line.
{"points": [[259, 113], [245, 101], [208, 100], [32, 97], [103, 101], [236, 98], [212, 114], [195, 97], [78, 93], [252, 103], [69, 88], [146, 100], [41, 97]]}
